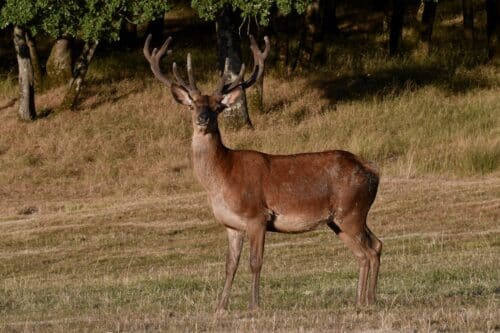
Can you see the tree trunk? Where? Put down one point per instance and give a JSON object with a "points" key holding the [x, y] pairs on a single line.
{"points": [[257, 97], [35, 62], [428, 17], [388, 9], [468, 14], [128, 35], [228, 46], [397, 20], [155, 28], [310, 33], [26, 82], [330, 23], [413, 13], [493, 30], [59, 62], [79, 71], [280, 27]]}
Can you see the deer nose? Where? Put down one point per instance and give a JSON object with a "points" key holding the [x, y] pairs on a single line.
{"points": [[203, 118]]}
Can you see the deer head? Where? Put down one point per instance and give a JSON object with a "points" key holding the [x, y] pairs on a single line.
{"points": [[206, 108]]}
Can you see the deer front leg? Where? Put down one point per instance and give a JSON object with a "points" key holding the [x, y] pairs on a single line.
{"points": [[256, 236], [235, 243]]}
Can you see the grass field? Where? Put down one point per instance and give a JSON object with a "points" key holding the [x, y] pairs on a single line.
{"points": [[104, 228], [156, 263]]}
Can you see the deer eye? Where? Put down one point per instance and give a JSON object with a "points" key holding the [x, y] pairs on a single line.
{"points": [[220, 107]]}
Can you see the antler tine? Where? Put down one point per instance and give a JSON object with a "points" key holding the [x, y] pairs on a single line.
{"points": [[179, 78], [154, 58], [224, 87], [258, 61], [191, 87], [267, 48], [236, 82], [258, 68], [192, 82], [145, 49], [222, 81]]}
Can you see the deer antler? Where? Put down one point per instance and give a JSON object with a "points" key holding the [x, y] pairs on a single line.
{"points": [[154, 58], [191, 87], [258, 69]]}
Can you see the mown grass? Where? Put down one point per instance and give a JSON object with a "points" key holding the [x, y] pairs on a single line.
{"points": [[157, 264]]}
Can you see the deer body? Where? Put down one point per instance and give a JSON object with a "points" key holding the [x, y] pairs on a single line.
{"points": [[289, 193], [252, 192]]}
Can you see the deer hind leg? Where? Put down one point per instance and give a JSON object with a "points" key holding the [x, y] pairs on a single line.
{"points": [[375, 245], [359, 243], [235, 244]]}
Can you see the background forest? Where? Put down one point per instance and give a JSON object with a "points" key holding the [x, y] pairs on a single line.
{"points": [[104, 226]]}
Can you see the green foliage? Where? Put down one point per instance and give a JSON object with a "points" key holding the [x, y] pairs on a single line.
{"points": [[88, 20], [57, 18], [16, 12], [258, 9], [104, 18]]}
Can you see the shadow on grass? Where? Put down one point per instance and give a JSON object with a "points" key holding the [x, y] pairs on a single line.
{"points": [[390, 82], [8, 104], [44, 113], [98, 93]]}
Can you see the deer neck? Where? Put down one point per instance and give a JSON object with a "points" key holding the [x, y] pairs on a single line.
{"points": [[210, 159]]}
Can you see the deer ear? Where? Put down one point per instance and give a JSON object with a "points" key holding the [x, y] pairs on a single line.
{"points": [[231, 97], [181, 95]]}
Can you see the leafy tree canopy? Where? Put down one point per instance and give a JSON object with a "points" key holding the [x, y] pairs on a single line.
{"points": [[259, 9], [85, 19]]}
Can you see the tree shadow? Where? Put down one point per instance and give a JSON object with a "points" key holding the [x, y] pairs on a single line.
{"points": [[450, 65], [44, 113], [352, 23], [390, 82], [276, 105], [7, 105], [99, 93]]}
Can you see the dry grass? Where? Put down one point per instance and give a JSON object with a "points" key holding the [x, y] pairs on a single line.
{"points": [[129, 138], [156, 264]]}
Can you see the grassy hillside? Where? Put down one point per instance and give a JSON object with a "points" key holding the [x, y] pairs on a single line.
{"points": [[104, 227], [131, 138]]}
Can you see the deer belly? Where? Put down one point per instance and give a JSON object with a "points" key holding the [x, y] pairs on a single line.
{"points": [[227, 217], [291, 223]]}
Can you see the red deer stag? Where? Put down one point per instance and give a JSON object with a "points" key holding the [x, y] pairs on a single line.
{"points": [[252, 192]]}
